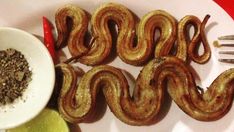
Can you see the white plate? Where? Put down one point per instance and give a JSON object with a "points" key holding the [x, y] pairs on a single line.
{"points": [[27, 15]]}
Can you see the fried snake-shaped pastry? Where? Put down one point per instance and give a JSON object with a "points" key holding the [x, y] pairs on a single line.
{"points": [[129, 52], [77, 102], [191, 46], [155, 20], [72, 25]]}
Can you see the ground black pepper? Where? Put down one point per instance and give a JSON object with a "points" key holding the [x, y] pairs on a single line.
{"points": [[15, 74]]}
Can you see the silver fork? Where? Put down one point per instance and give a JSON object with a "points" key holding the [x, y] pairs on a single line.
{"points": [[218, 45]]}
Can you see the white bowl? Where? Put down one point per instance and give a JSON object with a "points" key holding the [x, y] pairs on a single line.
{"points": [[40, 89]]}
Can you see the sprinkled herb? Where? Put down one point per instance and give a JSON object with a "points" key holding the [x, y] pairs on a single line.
{"points": [[15, 75]]}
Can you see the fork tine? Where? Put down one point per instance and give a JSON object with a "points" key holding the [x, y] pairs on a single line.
{"points": [[227, 45], [218, 45], [227, 52], [226, 37], [227, 60]]}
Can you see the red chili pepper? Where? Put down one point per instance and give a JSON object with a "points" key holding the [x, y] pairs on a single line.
{"points": [[48, 37]]}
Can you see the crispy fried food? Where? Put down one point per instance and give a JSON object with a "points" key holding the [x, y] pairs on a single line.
{"points": [[77, 102], [140, 53], [68, 77], [71, 22], [189, 48], [208, 106], [72, 25], [135, 54]]}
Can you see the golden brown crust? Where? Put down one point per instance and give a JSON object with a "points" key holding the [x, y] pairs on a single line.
{"points": [[67, 106], [208, 106], [134, 54], [143, 107], [193, 47], [188, 49], [102, 46], [115, 88], [77, 102], [71, 23], [144, 48]]}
